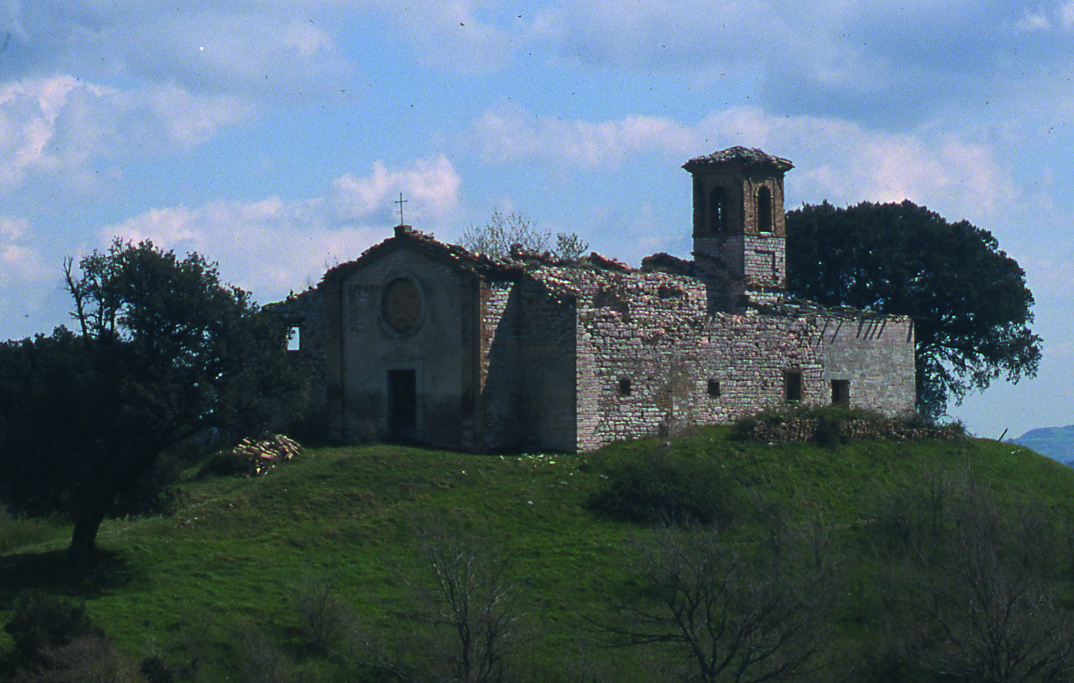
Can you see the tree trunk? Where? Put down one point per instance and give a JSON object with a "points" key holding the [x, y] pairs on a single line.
{"points": [[83, 550]]}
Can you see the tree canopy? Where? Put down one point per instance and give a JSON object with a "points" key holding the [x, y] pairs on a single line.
{"points": [[163, 351], [505, 232], [968, 299]]}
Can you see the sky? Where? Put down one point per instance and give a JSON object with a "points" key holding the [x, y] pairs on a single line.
{"points": [[274, 136]]}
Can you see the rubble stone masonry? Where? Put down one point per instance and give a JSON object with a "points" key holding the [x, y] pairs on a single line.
{"points": [[425, 341]]}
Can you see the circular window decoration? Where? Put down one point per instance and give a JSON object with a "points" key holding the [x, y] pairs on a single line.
{"points": [[401, 306]]}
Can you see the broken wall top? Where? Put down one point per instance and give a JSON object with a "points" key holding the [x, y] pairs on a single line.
{"points": [[745, 156]]}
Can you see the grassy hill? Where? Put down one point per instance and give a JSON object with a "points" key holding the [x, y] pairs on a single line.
{"points": [[230, 562]]}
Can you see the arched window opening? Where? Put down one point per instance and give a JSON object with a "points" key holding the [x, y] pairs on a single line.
{"points": [[764, 210], [718, 210]]}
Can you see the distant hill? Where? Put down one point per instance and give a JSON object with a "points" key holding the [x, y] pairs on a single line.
{"points": [[1055, 442]]}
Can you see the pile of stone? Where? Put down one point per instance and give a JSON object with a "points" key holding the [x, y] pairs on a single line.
{"points": [[265, 454]]}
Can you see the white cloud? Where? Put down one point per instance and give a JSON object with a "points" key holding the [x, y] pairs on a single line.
{"points": [[19, 256], [61, 124], [1058, 17], [23, 273], [271, 246], [453, 35], [253, 52], [274, 48], [430, 188], [836, 160], [896, 64], [510, 133]]}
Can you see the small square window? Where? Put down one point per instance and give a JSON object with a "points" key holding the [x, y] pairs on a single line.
{"points": [[714, 388], [841, 392], [624, 387], [792, 385]]}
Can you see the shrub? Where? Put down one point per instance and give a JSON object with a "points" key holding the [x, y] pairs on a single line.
{"points": [[156, 669], [42, 623], [83, 660], [836, 424], [324, 615], [16, 532], [657, 487], [260, 660]]}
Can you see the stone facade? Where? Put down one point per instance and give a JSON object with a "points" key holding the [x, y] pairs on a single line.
{"points": [[420, 340]]}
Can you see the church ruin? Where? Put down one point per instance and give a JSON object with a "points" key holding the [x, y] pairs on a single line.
{"points": [[425, 341]]}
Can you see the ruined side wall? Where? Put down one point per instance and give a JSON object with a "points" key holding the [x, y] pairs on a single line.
{"points": [[502, 372], [876, 355], [651, 361], [528, 377], [306, 312], [549, 403]]}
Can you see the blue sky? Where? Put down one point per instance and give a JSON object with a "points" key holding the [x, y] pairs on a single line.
{"points": [[273, 136]]}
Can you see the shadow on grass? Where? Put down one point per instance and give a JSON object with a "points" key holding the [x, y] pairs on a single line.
{"points": [[49, 572]]}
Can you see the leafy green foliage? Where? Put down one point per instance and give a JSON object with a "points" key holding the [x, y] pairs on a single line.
{"points": [[660, 487], [42, 622], [165, 351], [57, 642], [968, 299]]}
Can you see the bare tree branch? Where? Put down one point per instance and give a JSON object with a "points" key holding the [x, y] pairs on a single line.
{"points": [[727, 613]]}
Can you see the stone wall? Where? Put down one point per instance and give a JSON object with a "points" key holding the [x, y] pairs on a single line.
{"points": [[528, 390], [574, 357], [875, 354], [502, 374], [305, 311], [652, 360]]}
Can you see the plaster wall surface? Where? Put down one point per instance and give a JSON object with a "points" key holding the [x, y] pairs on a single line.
{"points": [[437, 351]]}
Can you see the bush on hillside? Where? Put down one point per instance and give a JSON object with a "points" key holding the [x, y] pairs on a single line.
{"points": [[324, 615], [658, 487], [836, 424], [84, 660], [43, 624]]}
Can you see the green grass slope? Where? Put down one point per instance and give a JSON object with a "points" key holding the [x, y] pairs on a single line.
{"points": [[239, 548]]}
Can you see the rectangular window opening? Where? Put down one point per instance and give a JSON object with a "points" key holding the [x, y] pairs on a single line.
{"points": [[714, 388], [841, 392], [792, 385], [294, 339], [624, 387]]}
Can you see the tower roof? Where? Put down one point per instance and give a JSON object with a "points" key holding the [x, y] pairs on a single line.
{"points": [[746, 156]]}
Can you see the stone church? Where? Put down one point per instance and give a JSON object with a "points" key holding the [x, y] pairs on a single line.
{"points": [[424, 341]]}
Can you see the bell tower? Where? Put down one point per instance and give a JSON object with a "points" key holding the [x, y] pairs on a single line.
{"points": [[739, 235]]}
